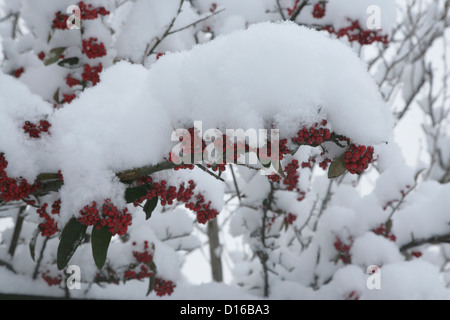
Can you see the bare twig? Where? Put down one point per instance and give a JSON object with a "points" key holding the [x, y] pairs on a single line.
{"points": [[296, 13], [432, 240], [17, 230], [196, 22], [148, 50], [38, 262], [235, 182], [280, 10], [9, 15], [210, 173], [324, 205]]}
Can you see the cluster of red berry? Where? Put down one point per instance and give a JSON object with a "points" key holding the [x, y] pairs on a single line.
{"points": [[231, 150], [92, 74], [18, 72], [14, 189], [92, 49], [35, 130], [343, 250], [323, 164], [51, 281], [354, 32], [265, 152], [141, 269], [309, 163], [290, 219], [143, 259], [275, 177], [283, 148], [68, 98], [168, 194], [88, 12], [319, 10], [144, 272], [60, 21], [164, 287], [49, 227], [117, 221], [381, 230], [313, 136], [291, 179], [358, 158], [71, 82], [292, 175]]}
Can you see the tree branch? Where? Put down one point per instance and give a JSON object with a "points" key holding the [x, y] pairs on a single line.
{"points": [[299, 9], [214, 247], [235, 182], [280, 10], [432, 240], [17, 230], [149, 51], [196, 22]]}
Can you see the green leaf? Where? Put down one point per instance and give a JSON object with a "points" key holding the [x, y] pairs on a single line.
{"points": [[280, 170], [32, 244], [100, 242], [69, 62], [294, 151], [133, 194], [284, 226], [71, 237], [152, 280], [54, 55], [56, 96], [149, 206], [265, 165], [151, 284], [337, 167]]}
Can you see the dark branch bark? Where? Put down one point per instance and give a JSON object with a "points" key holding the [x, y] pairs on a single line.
{"points": [[432, 240], [299, 9], [41, 255], [214, 249], [50, 181], [17, 230]]}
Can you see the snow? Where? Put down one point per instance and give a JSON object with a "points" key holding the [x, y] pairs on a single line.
{"points": [[427, 218], [239, 68], [371, 249], [358, 10], [17, 104], [108, 130], [297, 98], [132, 43], [409, 280]]}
